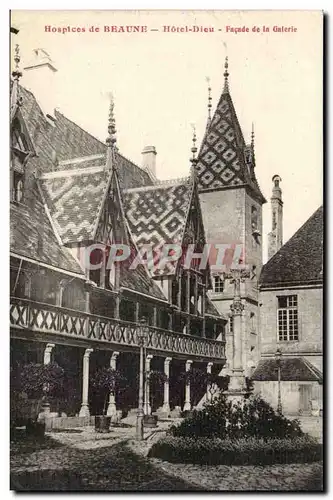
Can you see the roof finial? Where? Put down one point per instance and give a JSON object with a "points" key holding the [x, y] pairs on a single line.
{"points": [[252, 136], [226, 75], [194, 148], [17, 73], [209, 101], [111, 139], [16, 99]]}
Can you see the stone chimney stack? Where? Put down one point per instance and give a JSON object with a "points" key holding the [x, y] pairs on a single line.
{"points": [[39, 76], [275, 237], [149, 160]]}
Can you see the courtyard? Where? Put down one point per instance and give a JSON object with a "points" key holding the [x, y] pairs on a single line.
{"points": [[80, 459]]}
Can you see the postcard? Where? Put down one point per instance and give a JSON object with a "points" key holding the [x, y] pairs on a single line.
{"points": [[166, 250]]}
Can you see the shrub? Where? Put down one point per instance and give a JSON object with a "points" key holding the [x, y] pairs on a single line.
{"points": [[223, 419], [36, 379], [250, 451]]}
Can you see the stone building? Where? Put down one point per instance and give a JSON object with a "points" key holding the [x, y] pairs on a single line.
{"points": [[70, 191], [291, 312], [232, 202]]}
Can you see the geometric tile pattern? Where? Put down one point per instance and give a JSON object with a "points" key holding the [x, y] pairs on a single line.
{"points": [[32, 236], [74, 202], [158, 215], [221, 160]]}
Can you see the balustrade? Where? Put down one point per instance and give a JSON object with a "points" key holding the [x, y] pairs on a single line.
{"points": [[40, 317]]}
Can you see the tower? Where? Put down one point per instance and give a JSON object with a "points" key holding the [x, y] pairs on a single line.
{"points": [[276, 235], [232, 202]]}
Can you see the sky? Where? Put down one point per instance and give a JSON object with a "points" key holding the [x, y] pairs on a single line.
{"points": [[158, 80]]}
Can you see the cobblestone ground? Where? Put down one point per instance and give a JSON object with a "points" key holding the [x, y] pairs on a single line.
{"points": [[83, 460], [96, 463], [289, 477]]}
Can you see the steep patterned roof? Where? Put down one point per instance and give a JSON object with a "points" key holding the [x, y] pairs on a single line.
{"points": [[65, 140], [32, 236], [224, 160], [74, 198], [292, 369], [300, 260], [157, 215]]}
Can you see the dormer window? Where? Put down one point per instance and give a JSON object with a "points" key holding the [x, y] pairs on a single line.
{"points": [[218, 284], [17, 190], [19, 155]]}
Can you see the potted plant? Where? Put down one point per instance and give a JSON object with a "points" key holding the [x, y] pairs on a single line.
{"points": [[198, 380], [156, 380], [32, 387], [106, 381]]}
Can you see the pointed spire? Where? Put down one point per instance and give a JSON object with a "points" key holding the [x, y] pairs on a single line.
{"points": [[226, 75], [209, 106], [194, 150], [111, 139]]}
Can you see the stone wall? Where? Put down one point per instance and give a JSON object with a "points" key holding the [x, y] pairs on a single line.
{"points": [[309, 344]]}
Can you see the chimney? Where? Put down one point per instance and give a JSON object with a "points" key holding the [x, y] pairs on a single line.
{"points": [[39, 77], [149, 160], [276, 235]]}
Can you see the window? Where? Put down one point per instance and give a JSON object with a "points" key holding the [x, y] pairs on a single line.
{"points": [[254, 218], [218, 284], [231, 324], [17, 187], [287, 318]]}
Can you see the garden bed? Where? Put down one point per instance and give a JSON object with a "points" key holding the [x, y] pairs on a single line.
{"points": [[244, 451]]}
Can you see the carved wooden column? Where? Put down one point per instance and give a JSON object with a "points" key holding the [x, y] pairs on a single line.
{"points": [[187, 402], [170, 322], [84, 412], [137, 312], [188, 301], [87, 287], [112, 409], [180, 277], [60, 292], [154, 316], [146, 405], [196, 294], [204, 288], [29, 273]]}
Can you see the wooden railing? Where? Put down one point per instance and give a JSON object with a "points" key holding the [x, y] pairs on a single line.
{"points": [[41, 317]]}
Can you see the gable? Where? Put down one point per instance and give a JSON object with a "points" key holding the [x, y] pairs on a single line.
{"points": [[300, 260]]}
